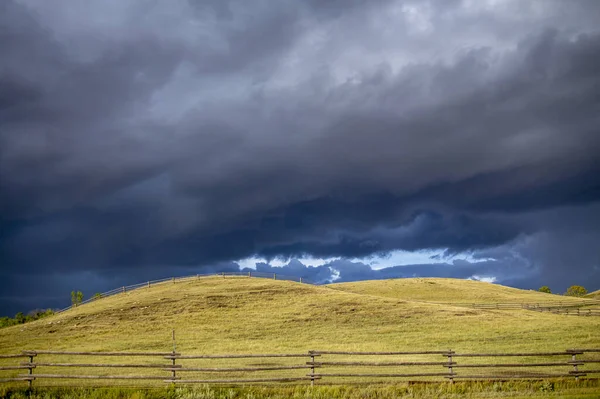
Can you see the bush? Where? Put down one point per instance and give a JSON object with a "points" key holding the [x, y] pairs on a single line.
{"points": [[21, 318], [576, 290], [545, 289]]}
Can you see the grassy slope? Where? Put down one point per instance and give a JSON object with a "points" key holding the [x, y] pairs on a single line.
{"points": [[594, 295], [447, 290], [240, 315], [258, 315]]}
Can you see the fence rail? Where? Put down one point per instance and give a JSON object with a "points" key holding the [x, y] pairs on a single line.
{"points": [[322, 365]]}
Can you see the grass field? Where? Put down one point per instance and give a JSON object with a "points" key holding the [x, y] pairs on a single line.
{"points": [[242, 315], [513, 390], [451, 291]]}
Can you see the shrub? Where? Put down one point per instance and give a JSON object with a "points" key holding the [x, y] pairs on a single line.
{"points": [[545, 289], [576, 290]]}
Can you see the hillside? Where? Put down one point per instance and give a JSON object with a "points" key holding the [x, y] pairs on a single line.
{"points": [[450, 291], [216, 315], [593, 295]]}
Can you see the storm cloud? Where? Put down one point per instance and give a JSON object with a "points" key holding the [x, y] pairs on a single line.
{"points": [[142, 139]]}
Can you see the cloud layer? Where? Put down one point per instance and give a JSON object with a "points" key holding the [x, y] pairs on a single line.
{"points": [[145, 136]]}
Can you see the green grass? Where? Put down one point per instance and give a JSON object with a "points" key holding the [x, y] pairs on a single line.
{"points": [[514, 390], [243, 315]]}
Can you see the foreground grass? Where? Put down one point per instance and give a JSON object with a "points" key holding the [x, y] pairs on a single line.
{"points": [[243, 315], [515, 389]]}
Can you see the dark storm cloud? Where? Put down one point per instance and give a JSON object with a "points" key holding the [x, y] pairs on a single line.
{"points": [[345, 271], [139, 135]]}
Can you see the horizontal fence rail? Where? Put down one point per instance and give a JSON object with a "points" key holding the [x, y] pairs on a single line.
{"points": [[308, 367], [562, 308]]}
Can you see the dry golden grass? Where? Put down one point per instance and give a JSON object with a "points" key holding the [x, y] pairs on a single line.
{"points": [[448, 290], [243, 315], [593, 295]]}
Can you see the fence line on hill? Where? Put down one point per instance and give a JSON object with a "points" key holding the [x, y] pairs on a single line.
{"points": [[566, 308], [421, 365], [148, 284]]}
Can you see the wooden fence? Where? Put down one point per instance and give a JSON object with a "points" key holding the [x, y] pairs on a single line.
{"points": [[566, 308], [315, 366]]}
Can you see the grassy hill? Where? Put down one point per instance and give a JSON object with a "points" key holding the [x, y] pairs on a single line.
{"points": [[593, 295], [257, 315], [448, 290], [242, 315]]}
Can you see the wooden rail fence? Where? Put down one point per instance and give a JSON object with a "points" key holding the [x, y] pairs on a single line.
{"points": [[566, 308], [309, 367]]}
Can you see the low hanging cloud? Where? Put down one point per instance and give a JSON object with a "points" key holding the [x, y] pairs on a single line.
{"points": [[146, 138]]}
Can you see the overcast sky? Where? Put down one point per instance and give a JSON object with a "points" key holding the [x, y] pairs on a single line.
{"points": [[369, 139]]}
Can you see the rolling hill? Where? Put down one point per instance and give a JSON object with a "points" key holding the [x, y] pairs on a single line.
{"points": [[451, 291], [243, 315]]}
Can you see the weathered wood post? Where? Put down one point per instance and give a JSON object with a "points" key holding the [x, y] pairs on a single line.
{"points": [[174, 375], [312, 368], [575, 369], [450, 378], [123, 289], [173, 279], [148, 284], [31, 366], [301, 279], [249, 274]]}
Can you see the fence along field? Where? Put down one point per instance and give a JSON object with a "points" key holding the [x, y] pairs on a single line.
{"points": [[311, 367]]}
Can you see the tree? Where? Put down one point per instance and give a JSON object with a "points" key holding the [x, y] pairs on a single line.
{"points": [[545, 289], [576, 290], [97, 296], [76, 298], [20, 318]]}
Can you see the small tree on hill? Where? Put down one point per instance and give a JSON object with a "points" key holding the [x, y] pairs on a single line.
{"points": [[576, 290], [76, 298], [545, 289]]}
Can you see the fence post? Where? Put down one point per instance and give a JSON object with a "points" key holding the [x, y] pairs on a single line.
{"points": [[123, 289], [575, 369], [301, 279], [174, 375], [148, 284], [312, 368], [173, 279], [30, 381], [451, 379], [274, 276], [249, 274]]}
